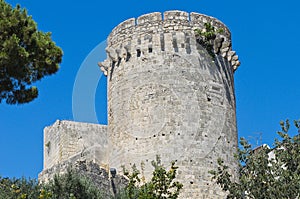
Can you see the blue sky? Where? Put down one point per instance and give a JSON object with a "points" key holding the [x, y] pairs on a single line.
{"points": [[264, 34]]}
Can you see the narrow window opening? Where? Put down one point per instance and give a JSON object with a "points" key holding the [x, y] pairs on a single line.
{"points": [[112, 70], [174, 42], [150, 50], [138, 52], [119, 62], [128, 56], [162, 42], [187, 44]]}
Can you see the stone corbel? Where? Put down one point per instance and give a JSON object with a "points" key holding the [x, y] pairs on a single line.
{"points": [[233, 59], [231, 56], [122, 54], [218, 44], [104, 66], [112, 54]]}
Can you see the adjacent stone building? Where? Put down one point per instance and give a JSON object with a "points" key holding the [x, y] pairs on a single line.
{"points": [[170, 93]]}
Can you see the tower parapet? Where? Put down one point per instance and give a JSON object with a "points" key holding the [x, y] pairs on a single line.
{"points": [[154, 33], [171, 96]]}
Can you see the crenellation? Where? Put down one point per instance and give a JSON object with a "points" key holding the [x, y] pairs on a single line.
{"points": [[124, 25], [140, 34], [198, 20], [176, 16], [154, 17]]}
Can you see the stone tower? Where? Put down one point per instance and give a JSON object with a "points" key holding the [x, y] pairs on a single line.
{"points": [[168, 95]]}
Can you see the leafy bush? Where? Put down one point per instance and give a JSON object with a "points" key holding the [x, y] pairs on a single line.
{"points": [[207, 36], [66, 186], [265, 172], [74, 186], [71, 186], [161, 185], [19, 188]]}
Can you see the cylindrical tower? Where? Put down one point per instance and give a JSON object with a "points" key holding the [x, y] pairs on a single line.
{"points": [[171, 93]]}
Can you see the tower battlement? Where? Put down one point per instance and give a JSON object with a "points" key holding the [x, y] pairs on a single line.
{"points": [[172, 32], [167, 22]]}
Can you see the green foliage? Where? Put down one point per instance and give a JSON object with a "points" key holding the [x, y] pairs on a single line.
{"points": [[66, 186], [26, 55], [161, 185], [260, 175], [18, 188], [207, 36], [71, 186]]}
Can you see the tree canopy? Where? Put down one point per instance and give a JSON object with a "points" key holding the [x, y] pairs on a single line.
{"points": [[265, 172], [26, 55]]}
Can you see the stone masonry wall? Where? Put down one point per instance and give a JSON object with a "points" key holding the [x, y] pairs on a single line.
{"points": [[167, 96], [74, 140]]}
